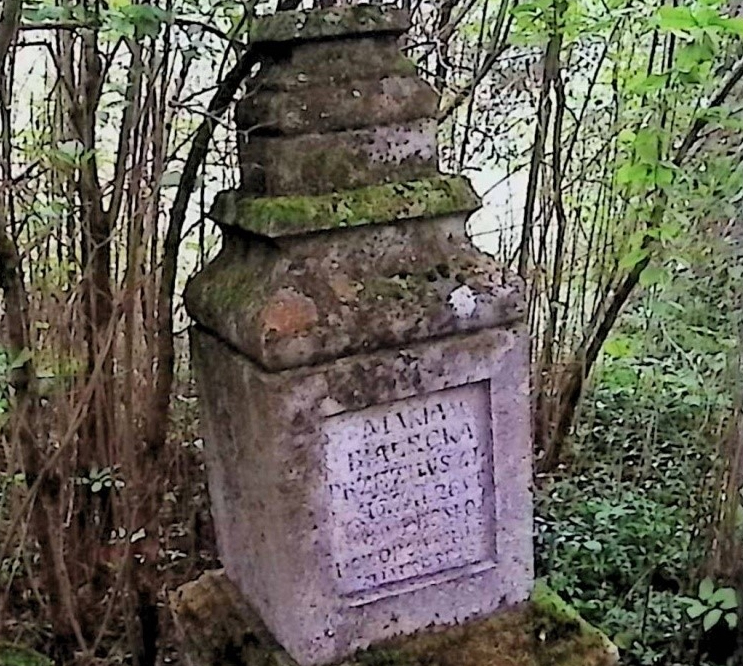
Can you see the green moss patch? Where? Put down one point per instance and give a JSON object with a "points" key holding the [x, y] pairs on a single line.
{"points": [[328, 23], [545, 632], [14, 655], [376, 204]]}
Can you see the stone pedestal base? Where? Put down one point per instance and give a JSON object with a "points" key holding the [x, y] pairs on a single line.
{"points": [[369, 497], [218, 628]]}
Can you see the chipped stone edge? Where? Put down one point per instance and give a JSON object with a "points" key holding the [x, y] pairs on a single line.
{"points": [[295, 215], [331, 23]]}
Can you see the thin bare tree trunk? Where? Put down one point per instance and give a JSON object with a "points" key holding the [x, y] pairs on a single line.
{"points": [[544, 112], [25, 415]]}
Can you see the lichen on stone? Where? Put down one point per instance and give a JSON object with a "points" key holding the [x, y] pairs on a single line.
{"points": [[375, 204]]}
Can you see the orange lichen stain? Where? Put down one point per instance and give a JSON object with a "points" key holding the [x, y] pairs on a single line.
{"points": [[345, 290], [288, 313]]}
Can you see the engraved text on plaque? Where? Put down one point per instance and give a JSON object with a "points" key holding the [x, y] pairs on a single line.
{"points": [[411, 488]]}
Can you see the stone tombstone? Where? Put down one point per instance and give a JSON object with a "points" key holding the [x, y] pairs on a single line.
{"points": [[363, 369]]}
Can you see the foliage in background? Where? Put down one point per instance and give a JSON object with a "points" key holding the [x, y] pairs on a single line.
{"points": [[102, 103], [619, 119], [621, 122], [631, 522]]}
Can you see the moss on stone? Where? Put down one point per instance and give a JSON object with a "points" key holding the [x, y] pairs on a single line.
{"points": [[544, 632], [386, 288], [225, 289], [228, 286], [386, 658], [14, 655], [376, 204], [548, 603], [559, 618], [329, 23]]}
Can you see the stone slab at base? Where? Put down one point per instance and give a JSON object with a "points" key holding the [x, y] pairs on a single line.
{"points": [[217, 627]]}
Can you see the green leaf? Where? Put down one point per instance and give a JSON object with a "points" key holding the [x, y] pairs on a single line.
{"points": [[676, 19], [652, 275], [696, 609], [19, 361], [691, 56], [631, 259], [626, 135], [663, 176], [593, 546], [706, 588], [732, 620], [711, 619], [632, 174], [652, 83], [669, 230], [647, 145], [733, 25], [707, 16], [46, 13], [533, 8], [618, 347], [725, 597], [145, 19]]}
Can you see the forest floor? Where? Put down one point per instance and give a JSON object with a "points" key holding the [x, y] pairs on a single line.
{"points": [[624, 527]]}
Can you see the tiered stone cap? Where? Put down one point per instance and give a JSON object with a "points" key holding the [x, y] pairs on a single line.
{"points": [[297, 215], [344, 237], [329, 113]]}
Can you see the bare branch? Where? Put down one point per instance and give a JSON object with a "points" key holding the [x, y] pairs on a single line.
{"points": [[498, 45], [223, 97]]}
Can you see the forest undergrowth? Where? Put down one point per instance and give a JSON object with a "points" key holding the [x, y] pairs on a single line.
{"points": [[628, 527], [187, 547]]}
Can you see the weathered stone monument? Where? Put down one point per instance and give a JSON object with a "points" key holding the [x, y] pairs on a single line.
{"points": [[363, 369]]}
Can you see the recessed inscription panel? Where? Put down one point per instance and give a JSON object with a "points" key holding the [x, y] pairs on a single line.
{"points": [[411, 488]]}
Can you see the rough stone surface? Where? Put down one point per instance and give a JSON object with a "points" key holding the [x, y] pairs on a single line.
{"points": [[356, 291], [216, 625], [335, 105], [332, 23], [285, 521], [376, 102], [334, 63], [317, 163], [218, 628]]}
